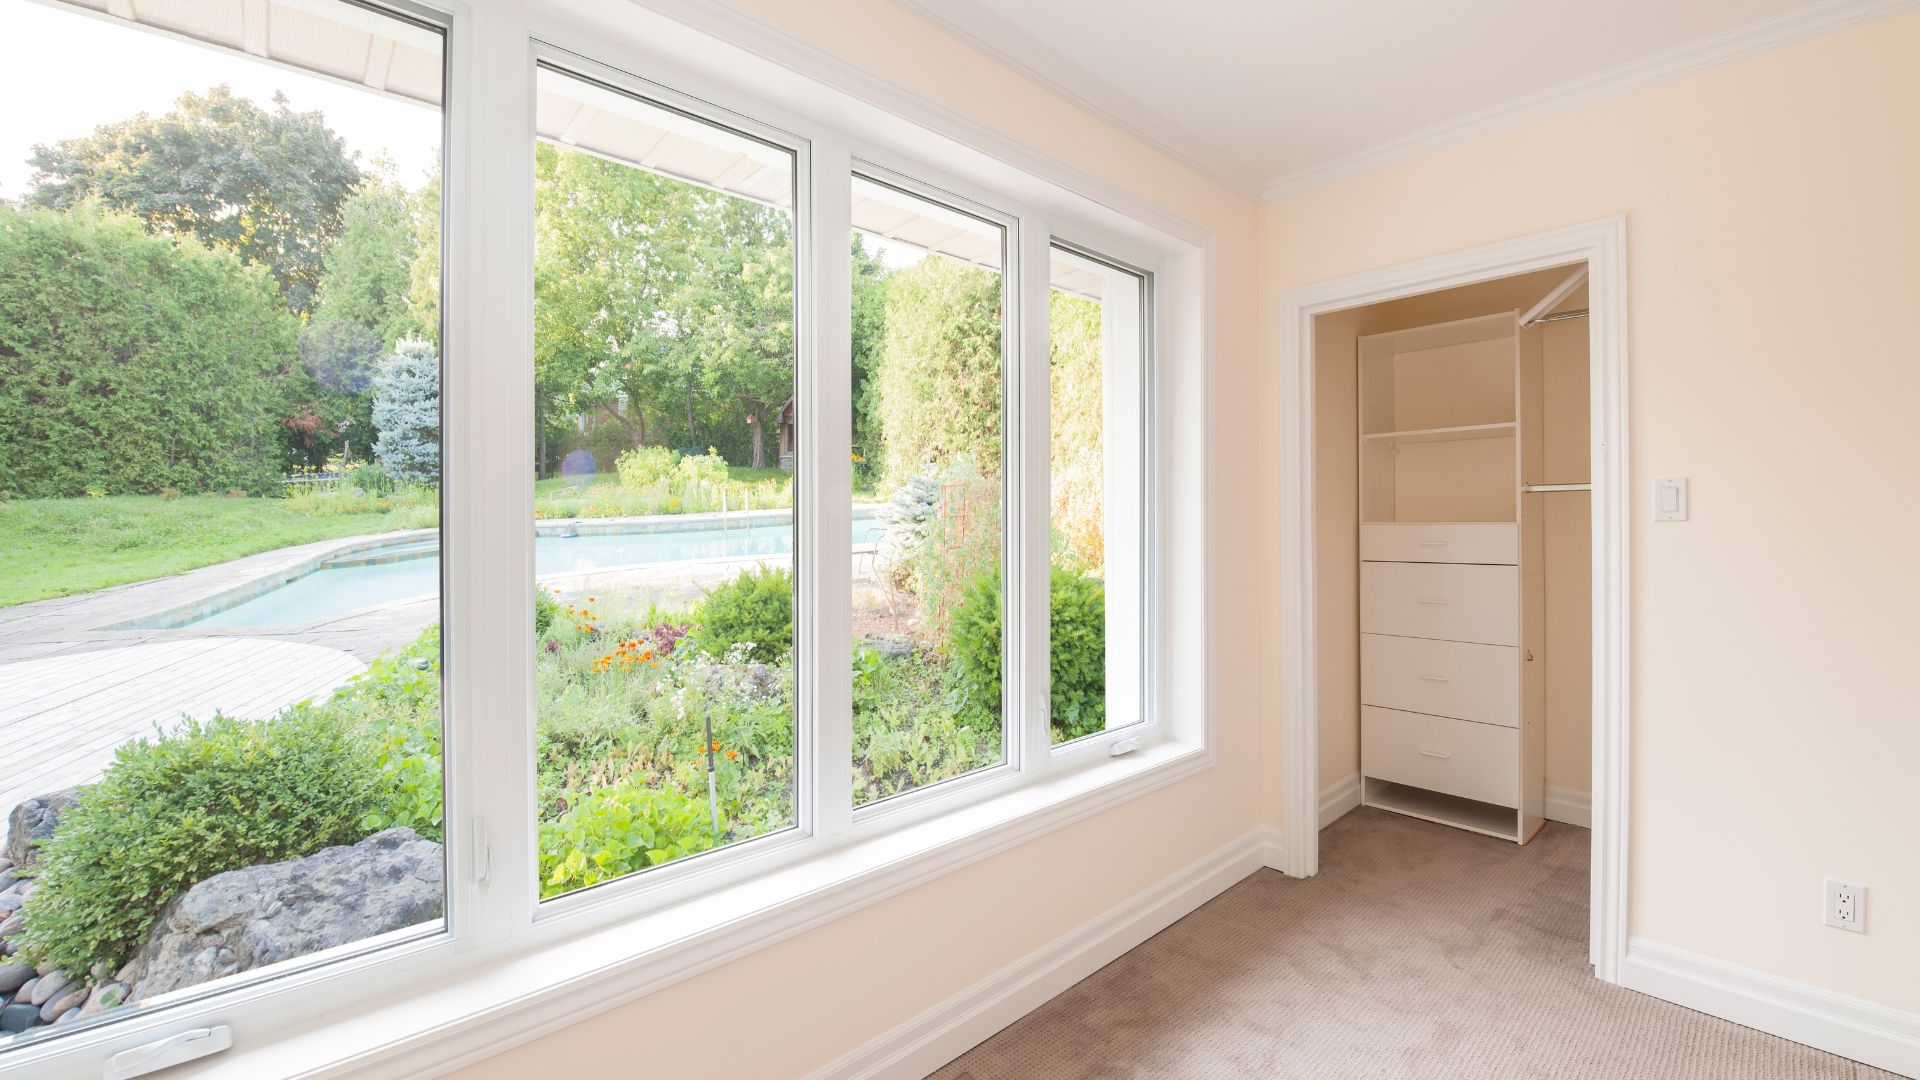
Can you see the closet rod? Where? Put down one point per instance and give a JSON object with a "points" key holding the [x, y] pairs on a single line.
{"points": [[1580, 314], [1531, 488]]}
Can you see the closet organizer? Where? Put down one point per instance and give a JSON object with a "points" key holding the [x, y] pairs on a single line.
{"points": [[1452, 600]]}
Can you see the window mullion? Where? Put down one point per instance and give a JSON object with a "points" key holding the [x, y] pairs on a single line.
{"points": [[1028, 637], [825, 439]]}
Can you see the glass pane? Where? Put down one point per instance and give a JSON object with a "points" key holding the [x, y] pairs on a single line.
{"points": [[928, 310], [664, 457], [1096, 343], [219, 533]]}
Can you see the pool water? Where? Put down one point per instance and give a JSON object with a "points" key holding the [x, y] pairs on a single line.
{"points": [[369, 578]]}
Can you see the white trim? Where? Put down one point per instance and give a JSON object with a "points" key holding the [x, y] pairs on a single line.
{"points": [[1339, 799], [1731, 46], [956, 1025], [980, 29], [1569, 807], [1837, 1023], [1602, 246]]}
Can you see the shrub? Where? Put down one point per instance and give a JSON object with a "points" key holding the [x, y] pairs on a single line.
{"points": [[646, 466], [616, 831], [962, 542], [755, 607], [175, 810], [906, 515], [131, 362], [545, 608], [1078, 661], [708, 468], [394, 707], [406, 412]]}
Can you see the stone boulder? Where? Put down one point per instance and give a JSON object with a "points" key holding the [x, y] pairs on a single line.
{"points": [[32, 822], [246, 919]]}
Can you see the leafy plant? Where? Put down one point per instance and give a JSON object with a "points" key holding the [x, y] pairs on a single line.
{"points": [[179, 808], [708, 468], [756, 608], [962, 542], [646, 466], [619, 830], [1077, 698], [546, 607]]}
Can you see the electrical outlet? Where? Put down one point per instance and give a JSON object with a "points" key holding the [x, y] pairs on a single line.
{"points": [[1846, 906]]}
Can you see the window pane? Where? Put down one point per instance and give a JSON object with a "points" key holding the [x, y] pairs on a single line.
{"points": [[928, 310], [219, 444], [664, 458], [1096, 343]]}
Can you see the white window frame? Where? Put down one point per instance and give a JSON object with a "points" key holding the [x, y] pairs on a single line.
{"points": [[430, 998]]}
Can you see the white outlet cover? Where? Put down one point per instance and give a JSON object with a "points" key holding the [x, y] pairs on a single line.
{"points": [[1844, 905]]}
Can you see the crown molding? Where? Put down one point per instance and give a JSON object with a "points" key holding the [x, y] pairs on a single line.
{"points": [[1740, 43], [987, 33]]}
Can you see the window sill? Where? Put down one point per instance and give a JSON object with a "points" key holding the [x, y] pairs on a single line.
{"points": [[469, 1015]]}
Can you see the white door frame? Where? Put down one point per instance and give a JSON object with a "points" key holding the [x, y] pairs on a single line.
{"points": [[1602, 246]]}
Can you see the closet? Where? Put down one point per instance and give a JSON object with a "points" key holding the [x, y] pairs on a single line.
{"points": [[1452, 614]]}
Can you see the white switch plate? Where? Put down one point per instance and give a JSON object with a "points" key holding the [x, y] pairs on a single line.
{"points": [[1670, 498], [1846, 906]]}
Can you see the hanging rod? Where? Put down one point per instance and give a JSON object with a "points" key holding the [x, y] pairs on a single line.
{"points": [[1531, 488], [1552, 299], [1580, 314]]}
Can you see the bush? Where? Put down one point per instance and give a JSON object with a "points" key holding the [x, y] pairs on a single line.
{"points": [[545, 608], [131, 363], [646, 466], [406, 412], [175, 810], [1078, 661], [962, 542], [616, 831], [708, 468], [755, 607], [394, 707]]}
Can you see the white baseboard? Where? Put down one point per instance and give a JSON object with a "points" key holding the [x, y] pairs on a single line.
{"points": [[956, 1025], [1861, 1030], [1339, 798], [1570, 806]]}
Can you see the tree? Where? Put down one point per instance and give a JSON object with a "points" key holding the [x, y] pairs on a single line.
{"points": [[406, 412], [1078, 398], [869, 341], [267, 185], [366, 274], [736, 313], [423, 279], [339, 357], [131, 363], [939, 381]]}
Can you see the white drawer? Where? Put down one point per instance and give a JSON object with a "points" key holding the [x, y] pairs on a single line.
{"points": [[1457, 757], [1478, 542], [1445, 678], [1449, 601]]}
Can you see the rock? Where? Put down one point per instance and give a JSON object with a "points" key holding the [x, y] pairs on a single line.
{"points": [[104, 997], [17, 1018], [14, 923], [47, 986], [8, 879], [99, 972], [67, 1017], [26, 991], [69, 1001], [14, 975], [890, 645], [244, 919], [5, 863], [32, 822], [11, 901]]}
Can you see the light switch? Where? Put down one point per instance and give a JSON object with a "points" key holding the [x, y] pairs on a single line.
{"points": [[1670, 499]]}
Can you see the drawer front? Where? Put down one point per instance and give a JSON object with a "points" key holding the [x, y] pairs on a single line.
{"points": [[1445, 678], [1457, 757], [1448, 601], [1440, 542]]}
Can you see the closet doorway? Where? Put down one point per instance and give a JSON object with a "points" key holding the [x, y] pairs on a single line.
{"points": [[1452, 587]]}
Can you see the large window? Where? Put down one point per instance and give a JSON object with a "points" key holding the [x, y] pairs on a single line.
{"points": [[663, 369], [928, 415], [220, 461]]}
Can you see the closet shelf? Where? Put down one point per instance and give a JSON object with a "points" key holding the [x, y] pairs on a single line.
{"points": [[1446, 434]]}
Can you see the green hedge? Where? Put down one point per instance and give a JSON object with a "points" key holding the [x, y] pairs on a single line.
{"points": [[130, 363], [1078, 682]]}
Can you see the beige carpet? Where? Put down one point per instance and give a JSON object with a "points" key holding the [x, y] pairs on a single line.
{"points": [[1419, 951]]}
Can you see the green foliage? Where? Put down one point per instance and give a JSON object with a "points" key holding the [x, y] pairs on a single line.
{"points": [[1077, 698], [406, 412], [129, 362], [394, 709], [177, 809], [269, 186], [604, 440], [646, 466], [906, 731], [707, 468], [962, 542], [1077, 469], [756, 607], [869, 341], [366, 272], [616, 831], [545, 609], [939, 383]]}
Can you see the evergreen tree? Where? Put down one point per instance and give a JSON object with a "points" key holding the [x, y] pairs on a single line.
{"points": [[406, 412]]}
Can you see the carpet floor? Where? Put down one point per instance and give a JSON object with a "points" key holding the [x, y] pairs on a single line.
{"points": [[1418, 951]]}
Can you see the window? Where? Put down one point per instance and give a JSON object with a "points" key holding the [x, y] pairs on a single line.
{"points": [[1096, 338], [928, 412], [664, 415], [220, 375], [435, 633]]}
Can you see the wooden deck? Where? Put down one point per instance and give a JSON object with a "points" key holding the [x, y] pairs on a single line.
{"points": [[62, 716]]}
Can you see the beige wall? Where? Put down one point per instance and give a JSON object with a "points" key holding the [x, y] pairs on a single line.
{"points": [[817, 996], [1773, 253]]}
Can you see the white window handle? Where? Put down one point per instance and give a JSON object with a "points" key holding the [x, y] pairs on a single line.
{"points": [[1437, 678], [1434, 600], [1433, 543], [1435, 753]]}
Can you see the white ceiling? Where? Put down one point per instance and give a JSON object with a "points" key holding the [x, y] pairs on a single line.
{"points": [[1277, 95]]}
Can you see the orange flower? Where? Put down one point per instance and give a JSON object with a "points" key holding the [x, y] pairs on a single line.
{"points": [[732, 755]]}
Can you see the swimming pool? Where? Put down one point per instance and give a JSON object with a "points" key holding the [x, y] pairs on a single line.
{"points": [[410, 568]]}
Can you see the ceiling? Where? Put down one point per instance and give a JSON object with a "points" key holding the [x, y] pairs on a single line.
{"points": [[1273, 96]]}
